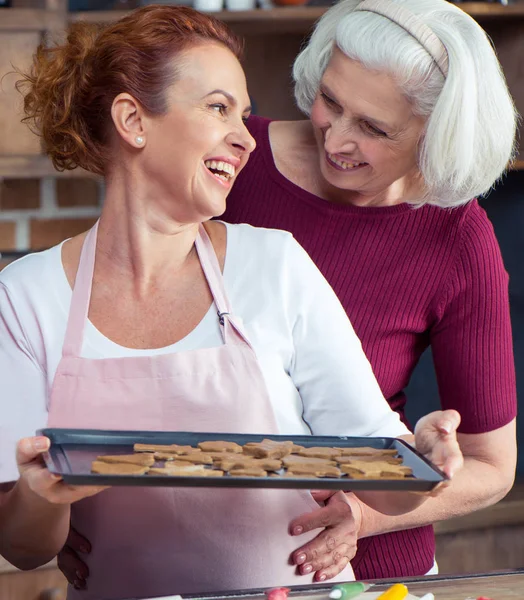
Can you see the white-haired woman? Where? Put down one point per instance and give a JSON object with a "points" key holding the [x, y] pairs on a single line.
{"points": [[409, 120]]}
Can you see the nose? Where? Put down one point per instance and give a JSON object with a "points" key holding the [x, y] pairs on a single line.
{"points": [[338, 139], [242, 140]]}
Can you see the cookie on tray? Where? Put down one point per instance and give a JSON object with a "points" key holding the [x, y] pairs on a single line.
{"points": [[390, 460], [375, 470], [187, 470], [240, 461], [144, 459], [367, 451], [220, 446], [171, 448], [320, 452], [197, 458], [105, 468], [248, 471], [268, 449], [317, 471], [295, 459]]}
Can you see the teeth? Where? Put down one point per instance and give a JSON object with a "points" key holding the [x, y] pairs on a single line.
{"points": [[227, 170], [342, 163]]}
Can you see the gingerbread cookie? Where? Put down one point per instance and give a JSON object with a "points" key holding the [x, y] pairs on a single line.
{"points": [[197, 458], [374, 470], [294, 459], [317, 471], [220, 446], [242, 461], [171, 448], [320, 452], [390, 460], [145, 459], [105, 468], [188, 470], [268, 449], [248, 472], [367, 451]]}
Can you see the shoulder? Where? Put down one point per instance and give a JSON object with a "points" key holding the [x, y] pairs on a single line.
{"points": [[257, 243], [451, 232], [271, 251], [28, 280], [476, 226], [32, 267], [478, 244], [269, 255]]}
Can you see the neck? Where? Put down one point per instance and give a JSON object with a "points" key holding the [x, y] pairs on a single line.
{"points": [[402, 191], [136, 241]]}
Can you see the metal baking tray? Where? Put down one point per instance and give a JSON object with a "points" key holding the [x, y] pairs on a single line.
{"points": [[73, 450]]}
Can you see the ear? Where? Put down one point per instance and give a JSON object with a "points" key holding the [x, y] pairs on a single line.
{"points": [[129, 120]]}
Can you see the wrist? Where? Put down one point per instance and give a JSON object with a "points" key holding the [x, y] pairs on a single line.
{"points": [[30, 502], [362, 514]]}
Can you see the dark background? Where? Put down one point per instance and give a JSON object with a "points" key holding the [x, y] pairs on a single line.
{"points": [[505, 208]]}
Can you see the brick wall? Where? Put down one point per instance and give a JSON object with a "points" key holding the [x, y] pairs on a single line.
{"points": [[38, 213]]}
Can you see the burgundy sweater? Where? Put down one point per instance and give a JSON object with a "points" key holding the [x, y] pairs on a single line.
{"points": [[408, 279]]}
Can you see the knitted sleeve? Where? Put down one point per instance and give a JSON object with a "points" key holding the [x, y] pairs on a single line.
{"points": [[471, 340]]}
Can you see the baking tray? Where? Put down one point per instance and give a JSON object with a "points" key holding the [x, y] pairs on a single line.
{"points": [[73, 450]]}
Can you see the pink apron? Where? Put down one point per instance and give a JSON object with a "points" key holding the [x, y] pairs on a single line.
{"points": [[161, 541]]}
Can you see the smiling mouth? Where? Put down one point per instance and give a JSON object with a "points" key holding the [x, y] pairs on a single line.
{"points": [[221, 169], [344, 165]]}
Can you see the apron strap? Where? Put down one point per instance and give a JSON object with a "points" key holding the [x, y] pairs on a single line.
{"points": [[81, 296], [232, 332]]}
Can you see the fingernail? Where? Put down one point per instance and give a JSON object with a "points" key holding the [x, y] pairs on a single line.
{"points": [[298, 530], [307, 569], [446, 427], [41, 443], [301, 558], [321, 577]]}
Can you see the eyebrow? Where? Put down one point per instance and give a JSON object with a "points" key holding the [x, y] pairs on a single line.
{"points": [[229, 97], [378, 122]]}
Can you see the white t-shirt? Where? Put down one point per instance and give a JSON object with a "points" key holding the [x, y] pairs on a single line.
{"points": [[318, 378]]}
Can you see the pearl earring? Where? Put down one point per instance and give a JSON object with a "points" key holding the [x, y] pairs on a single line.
{"points": [[139, 139]]}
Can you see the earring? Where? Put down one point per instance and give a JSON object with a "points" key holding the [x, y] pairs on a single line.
{"points": [[139, 139]]}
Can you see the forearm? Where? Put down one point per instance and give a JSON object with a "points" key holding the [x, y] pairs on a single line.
{"points": [[469, 491], [33, 530]]}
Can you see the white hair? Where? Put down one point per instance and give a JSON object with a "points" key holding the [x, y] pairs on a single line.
{"points": [[469, 137]]}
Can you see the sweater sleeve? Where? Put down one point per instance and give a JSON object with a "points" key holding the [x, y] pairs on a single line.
{"points": [[471, 340], [339, 392], [23, 404]]}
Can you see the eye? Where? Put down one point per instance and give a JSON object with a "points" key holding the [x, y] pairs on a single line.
{"points": [[327, 100], [373, 130], [245, 118], [219, 108]]}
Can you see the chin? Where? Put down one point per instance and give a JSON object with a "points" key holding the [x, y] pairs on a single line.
{"points": [[212, 212]]}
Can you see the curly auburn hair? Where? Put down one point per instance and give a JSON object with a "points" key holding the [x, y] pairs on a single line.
{"points": [[69, 89]]}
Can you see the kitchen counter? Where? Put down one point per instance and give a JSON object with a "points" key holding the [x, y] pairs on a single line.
{"points": [[503, 585], [500, 585]]}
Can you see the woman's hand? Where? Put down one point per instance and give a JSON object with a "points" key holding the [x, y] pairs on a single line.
{"points": [[329, 553], [72, 566], [436, 439], [44, 484]]}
